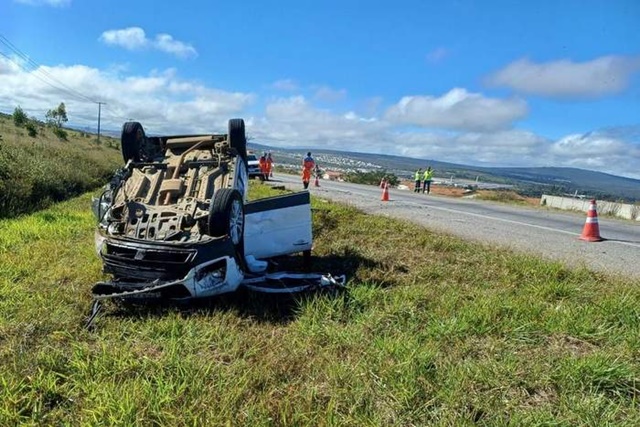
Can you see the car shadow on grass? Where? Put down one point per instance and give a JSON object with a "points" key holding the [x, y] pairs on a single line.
{"points": [[278, 309]]}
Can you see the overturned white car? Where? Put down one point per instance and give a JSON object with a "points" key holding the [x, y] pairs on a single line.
{"points": [[175, 221]]}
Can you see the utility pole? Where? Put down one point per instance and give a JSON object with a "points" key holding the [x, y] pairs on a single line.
{"points": [[99, 110]]}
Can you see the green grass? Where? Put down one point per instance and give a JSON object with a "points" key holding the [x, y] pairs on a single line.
{"points": [[38, 171], [432, 331]]}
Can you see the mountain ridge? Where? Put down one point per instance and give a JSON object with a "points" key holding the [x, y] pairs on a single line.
{"points": [[527, 180]]}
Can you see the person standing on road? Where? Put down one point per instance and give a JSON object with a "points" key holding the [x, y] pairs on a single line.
{"points": [[269, 166], [428, 177], [308, 165], [418, 177], [263, 166]]}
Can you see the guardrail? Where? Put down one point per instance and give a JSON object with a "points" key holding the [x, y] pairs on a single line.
{"points": [[620, 210]]}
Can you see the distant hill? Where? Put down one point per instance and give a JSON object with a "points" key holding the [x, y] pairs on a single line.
{"points": [[532, 181]]}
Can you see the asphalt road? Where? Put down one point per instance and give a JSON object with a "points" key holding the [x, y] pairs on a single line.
{"points": [[548, 233]]}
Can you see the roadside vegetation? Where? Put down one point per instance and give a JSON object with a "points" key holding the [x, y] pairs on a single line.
{"points": [[432, 330], [372, 177], [506, 196], [41, 164]]}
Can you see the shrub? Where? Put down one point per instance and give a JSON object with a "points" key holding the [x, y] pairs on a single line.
{"points": [[19, 117], [372, 177], [31, 129], [61, 133]]}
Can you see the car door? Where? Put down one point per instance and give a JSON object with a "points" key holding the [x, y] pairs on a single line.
{"points": [[278, 225]]}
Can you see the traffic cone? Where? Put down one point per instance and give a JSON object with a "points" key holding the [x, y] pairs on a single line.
{"points": [[317, 182], [385, 193], [591, 230]]}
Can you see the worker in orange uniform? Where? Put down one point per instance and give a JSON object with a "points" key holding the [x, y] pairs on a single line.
{"points": [[262, 162], [308, 165], [269, 166]]}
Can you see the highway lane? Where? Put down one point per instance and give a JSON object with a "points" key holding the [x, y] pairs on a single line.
{"points": [[549, 233]]}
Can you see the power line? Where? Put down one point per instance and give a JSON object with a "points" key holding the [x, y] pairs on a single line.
{"points": [[38, 72], [37, 68], [116, 116], [37, 76], [48, 82]]}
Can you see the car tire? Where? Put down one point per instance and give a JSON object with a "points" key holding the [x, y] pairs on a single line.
{"points": [[237, 138], [226, 217], [132, 141]]}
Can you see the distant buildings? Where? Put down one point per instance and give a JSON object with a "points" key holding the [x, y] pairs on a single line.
{"points": [[333, 176]]}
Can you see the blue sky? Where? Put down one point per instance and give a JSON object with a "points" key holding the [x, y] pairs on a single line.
{"points": [[490, 83]]}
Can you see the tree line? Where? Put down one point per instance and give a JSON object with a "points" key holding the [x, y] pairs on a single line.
{"points": [[54, 118]]}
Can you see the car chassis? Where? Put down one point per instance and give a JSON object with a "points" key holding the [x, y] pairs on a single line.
{"points": [[175, 222]]}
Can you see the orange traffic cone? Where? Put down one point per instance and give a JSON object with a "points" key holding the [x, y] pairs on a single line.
{"points": [[385, 193], [317, 182], [591, 230]]}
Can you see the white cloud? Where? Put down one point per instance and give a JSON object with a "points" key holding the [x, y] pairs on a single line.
{"points": [[328, 94], [285, 85], [165, 103], [166, 43], [615, 151], [54, 3], [161, 100], [437, 55], [294, 121], [131, 38], [135, 38], [371, 106], [458, 110], [505, 148], [564, 78]]}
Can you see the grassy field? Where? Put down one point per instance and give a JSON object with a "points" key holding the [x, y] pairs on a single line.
{"points": [[432, 331], [38, 171]]}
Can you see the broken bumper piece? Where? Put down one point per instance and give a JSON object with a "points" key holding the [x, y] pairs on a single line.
{"points": [[288, 283], [218, 277], [211, 278]]}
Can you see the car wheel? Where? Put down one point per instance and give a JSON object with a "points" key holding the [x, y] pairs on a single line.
{"points": [[241, 177], [132, 141], [226, 217], [238, 138]]}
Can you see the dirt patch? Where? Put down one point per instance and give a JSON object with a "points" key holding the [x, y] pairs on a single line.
{"points": [[440, 190], [507, 196], [499, 196], [568, 344], [538, 397]]}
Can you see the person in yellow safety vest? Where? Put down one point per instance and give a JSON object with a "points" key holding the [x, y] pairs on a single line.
{"points": [[428, 177], [418, 177]]}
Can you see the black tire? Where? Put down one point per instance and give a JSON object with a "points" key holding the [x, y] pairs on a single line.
{"points": [[226, 217], [237, 137], [132, 141], [306, 260]]}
